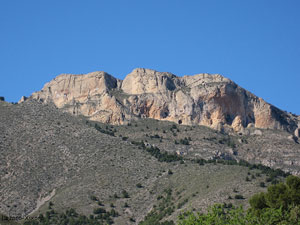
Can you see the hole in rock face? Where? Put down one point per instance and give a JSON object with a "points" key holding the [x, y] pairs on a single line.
{"points": [[228, 119], [164, 114], [179, 121]]}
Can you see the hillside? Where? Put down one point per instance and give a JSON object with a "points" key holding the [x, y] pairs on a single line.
{"points": [[48, 155]]}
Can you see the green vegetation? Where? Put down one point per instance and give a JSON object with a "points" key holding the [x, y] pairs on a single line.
{"points": [[139, 185], [272, 174], [125, 194], [239, 197], [164, 208], [155, 136], [93, 198], [155, 151], [184, 141], [71, 217], [124, 138], [170, 172], [279, 205], [107, 131], [228, 141]]}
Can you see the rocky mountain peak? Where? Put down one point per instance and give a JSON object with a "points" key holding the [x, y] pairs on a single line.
{"points": [[143, 81], [203, 99], [67, 88]]}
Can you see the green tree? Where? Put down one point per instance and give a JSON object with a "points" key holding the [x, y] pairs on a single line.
{"points": [[279, 205]]}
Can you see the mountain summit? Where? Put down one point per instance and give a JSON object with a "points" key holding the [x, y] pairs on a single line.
{"points": [[202, 99]]}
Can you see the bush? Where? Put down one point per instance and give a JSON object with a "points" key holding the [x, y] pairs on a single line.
{"points": [[155, 136], [116, 196], [114, 213], [125, 194], [239, 197], [139, 185], [262, 184], [258, 201], [99, 211], [93, 198], [184, 141]]}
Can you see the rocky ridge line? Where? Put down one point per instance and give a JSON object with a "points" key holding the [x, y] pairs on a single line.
{"points": [[202, 99]]}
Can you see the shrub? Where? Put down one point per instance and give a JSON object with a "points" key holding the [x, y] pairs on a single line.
{"points": [[93, 198], [139, 185], [124, 138], [116, 196], [113, 213], [155, 136], [100, 203], [262, 184], [184, 141], [258, 201], [99, 211], [239, 197], [125, 194]]}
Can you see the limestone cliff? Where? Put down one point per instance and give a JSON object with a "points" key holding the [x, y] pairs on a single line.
{"points": [[204, 99]]}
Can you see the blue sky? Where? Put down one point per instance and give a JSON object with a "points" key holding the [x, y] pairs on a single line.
{"points": [[255, 43]]}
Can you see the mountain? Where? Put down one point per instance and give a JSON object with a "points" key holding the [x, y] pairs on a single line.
{"points": [[202, 99], [146, 148]]}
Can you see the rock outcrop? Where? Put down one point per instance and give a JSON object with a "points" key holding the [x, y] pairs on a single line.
{"points": [[23, 99], [203, 99], [297, 133]]}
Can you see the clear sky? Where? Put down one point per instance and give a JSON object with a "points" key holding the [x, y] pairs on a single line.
{"points": [[256, 43]]}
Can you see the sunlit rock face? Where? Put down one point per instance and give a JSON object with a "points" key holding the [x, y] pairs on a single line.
{"points": [[204, 99]]}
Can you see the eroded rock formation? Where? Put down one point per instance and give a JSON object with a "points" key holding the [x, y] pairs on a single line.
{"points": [[204, 99]]}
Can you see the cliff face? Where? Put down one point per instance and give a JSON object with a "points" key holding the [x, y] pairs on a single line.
{"points": [[204, 99]]}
